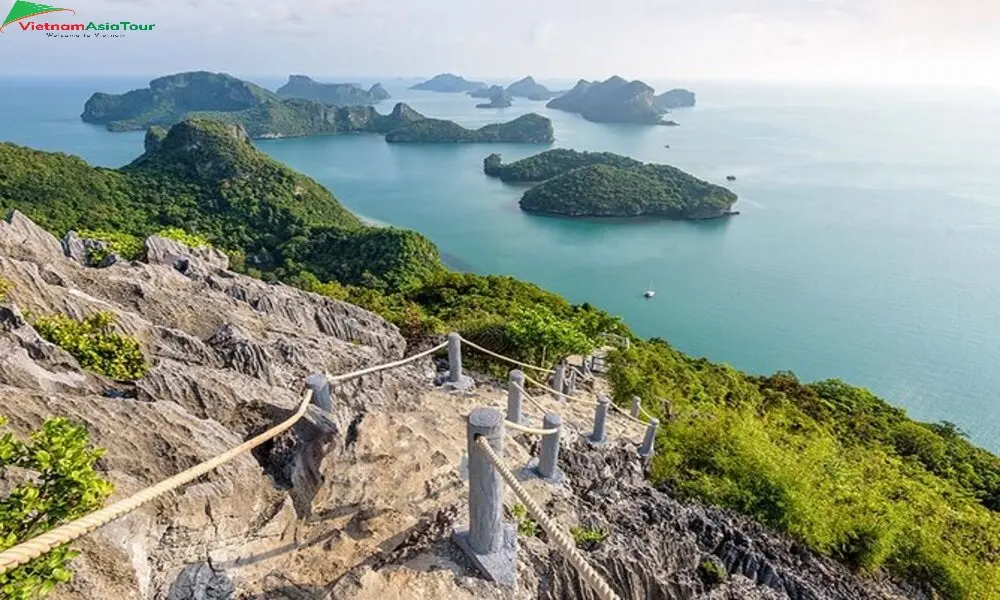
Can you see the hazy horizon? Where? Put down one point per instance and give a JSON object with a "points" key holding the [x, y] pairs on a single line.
{"points": [[896, 42]]}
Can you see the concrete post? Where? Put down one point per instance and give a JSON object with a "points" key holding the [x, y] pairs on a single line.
{"points": [[559, 378], [454, 357], [489, 542], [646, 449], [599, 436], [571, 382], [321, 391], [485, 483], [515, 396], [585, 366], [636, 401], [548, 458]]}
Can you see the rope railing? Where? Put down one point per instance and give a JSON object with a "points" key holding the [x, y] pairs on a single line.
{"points": [[530, 430], [558, 393], [64, 534], [29, 550], [530, 398], [506, 358], [559, 539]]}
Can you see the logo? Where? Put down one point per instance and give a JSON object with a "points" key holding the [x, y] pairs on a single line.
{"points": [[22, 11]]}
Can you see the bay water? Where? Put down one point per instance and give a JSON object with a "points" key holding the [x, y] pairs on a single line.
{"points": [[867, 248]]}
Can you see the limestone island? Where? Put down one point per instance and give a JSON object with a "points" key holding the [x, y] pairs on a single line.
{"points": [[530, 89], [615, 101], [449, 83], [675, 98], [338, 94], [527, 129], [264, 114], [499, 98], [603, 184]]}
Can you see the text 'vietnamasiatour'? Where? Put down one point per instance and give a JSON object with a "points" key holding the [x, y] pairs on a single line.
{"points": [[120, 26]]}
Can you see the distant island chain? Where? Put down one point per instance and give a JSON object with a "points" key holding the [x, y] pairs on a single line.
{"points": [[566, 182]]}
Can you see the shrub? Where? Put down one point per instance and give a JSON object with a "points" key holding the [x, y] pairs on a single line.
{"points": [[6, 287], [831, 465], [95, 344], [588, 537], [62, 485], [526, 526], [711, 573], [124, 245], [191, 240]]}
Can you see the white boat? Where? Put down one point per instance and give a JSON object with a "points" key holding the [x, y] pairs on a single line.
{"points": [[649, 293]]}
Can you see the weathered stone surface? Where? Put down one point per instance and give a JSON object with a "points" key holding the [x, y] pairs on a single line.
{"points": [[202, 261], [23, 238], [353, 503], [657, 544]]}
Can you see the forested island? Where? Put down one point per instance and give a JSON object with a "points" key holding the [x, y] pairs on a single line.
{"points": [[603, 184], [449, 83], [619, 101], [337, 94], [264, 114], [835, 468], [499, 98], [530, 89], [529, 129]]}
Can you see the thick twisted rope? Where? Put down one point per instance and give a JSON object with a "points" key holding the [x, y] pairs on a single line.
{"points": [[529, 430], [559, 539], [505, 358], [529, 397], [621, 411], [39, 545], [558, 393]]}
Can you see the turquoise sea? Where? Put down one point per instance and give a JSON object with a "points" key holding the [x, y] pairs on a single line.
{"points": [[868, 247]]}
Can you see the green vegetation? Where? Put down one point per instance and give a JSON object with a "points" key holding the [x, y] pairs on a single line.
{"points": [[339, 94], [526, 526], [552, 163], [60, 485], [124, 245], [526, 129], [6, 287], [830, 464], [172, 99], [588, 537], [191, 240], [603, 184], [95, 343], [711, 573], [206, 178]]}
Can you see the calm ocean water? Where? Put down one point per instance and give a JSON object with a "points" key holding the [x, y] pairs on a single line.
{"points": [[868, 247]]}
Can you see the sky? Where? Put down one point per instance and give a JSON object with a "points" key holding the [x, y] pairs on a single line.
{"points": [[861, 41]]}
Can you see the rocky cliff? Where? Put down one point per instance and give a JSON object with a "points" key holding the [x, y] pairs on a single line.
{"points": [[354, 504]]}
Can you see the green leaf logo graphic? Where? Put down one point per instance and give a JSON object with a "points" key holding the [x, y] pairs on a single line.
{"points": [[24, 10]]}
